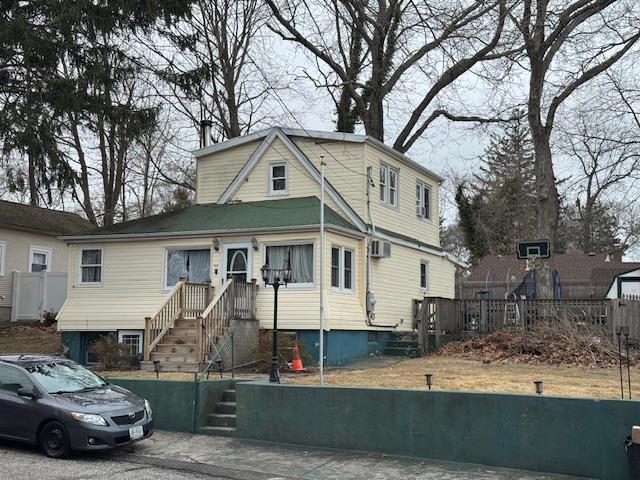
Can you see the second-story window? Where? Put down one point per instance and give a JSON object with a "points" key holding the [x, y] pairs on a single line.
{"points": [[278, 178], [423, 201], [388, 185]]}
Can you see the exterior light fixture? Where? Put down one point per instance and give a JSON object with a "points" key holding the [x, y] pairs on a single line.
{"points": [[254, 243], [538, 384], [156, 367], [429, 377], [275, 277], [220, 366], [216, 244]]}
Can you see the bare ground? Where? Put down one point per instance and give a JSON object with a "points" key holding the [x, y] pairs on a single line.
{"points": [[34, 338]]}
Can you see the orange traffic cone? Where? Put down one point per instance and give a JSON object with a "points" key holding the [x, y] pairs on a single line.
{"points": [[296, 363]]}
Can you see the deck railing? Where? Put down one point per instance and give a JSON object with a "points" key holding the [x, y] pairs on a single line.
{"points": [[159, 324], [236, 299]]}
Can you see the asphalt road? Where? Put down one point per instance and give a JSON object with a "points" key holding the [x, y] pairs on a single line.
{"points": [[21, 462]]}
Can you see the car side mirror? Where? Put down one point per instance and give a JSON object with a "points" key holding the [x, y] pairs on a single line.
{"points": [[27, 392]]}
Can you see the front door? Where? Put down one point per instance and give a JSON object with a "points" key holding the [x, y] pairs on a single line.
{"points": [[237, 262]]}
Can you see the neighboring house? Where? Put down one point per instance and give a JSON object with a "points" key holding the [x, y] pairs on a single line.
{"points": [[258, 203], [626, 284], [29, 244], [576, 275]]}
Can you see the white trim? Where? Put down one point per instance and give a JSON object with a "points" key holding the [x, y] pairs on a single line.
{"points": [[139, 333], [3, 254], [164, 288], [321, 135], [424, 262], [224, 258], [385, 186], [286, 243], [341, 269], [311, 169], [37, 249], [79, 281], [270, 178]]}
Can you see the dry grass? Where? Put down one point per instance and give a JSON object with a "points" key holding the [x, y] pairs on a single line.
{"points": [[29, 339], [451, 373]]}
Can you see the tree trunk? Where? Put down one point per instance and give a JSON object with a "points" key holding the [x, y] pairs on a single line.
{"points": [[33, 184]]}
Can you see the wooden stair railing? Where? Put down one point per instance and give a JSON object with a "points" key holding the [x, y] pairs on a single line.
{"points": [[156, 326], [235, 300]]}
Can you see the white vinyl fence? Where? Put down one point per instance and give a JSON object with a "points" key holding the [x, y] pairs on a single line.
{"points": [[36, 293]]}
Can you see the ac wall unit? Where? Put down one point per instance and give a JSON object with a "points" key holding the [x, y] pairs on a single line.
{"points": [[380, 249]]}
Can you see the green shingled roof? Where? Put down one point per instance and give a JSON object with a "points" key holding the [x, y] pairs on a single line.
{"points": [[264, 215]]}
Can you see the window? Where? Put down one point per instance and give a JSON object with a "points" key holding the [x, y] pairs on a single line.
{"points": [[388, 185], [342, 268], [11, 380], [278, 178], [194, 265], [298, 257], [3, 247], [132, 339], [424, 275], [39, 259], [91, 266], [423, 201]]}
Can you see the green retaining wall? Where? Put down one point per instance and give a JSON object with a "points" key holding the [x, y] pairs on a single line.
{"points": [[574, 436], [174, 402]]}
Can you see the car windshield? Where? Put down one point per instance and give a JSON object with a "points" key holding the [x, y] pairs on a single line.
{"points": [[59, 377]]}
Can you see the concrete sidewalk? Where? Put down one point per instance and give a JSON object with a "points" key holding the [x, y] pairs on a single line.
{"points": [[250, 459]]}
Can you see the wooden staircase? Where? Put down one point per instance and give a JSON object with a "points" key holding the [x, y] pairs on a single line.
{"points": [[182, 335]]}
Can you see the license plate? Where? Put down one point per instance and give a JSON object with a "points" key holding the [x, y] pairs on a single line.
{"points": [[136, 432]]}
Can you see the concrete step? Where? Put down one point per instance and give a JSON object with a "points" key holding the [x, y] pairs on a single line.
{"points": [[190, 367], [229, 396], [221, 420], [401, 352], [184, 348], [173, 357], [225, 407], [402, 344], [220, 431], [171, 339]]}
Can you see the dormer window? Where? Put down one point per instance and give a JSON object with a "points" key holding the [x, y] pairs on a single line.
{"points": [[278, 178], [423, 201], [388, 185]]}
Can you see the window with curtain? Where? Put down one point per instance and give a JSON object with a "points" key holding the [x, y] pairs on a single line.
{"points": [[194, 265], [298, 257], [40, 259], [91, 265]]}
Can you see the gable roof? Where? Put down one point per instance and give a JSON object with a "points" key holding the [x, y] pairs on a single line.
{"points": [[319, 135], [213, 218], [18, 216], [304, 161], [574, 267]]}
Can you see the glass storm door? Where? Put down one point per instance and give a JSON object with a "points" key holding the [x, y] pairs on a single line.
{"points": [[237, 263]]}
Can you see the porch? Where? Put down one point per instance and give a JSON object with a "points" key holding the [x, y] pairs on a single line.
{"points": [[189, 330]]}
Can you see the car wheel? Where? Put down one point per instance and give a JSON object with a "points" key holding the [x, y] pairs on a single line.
{"points": [[54, 440]]}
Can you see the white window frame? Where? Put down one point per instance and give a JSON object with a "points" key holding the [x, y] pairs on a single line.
{"points": [[3, 250], [385, 185], [165, 258], [425, 264], [304, 286], [138, 333], [79, 269], [36, 249], [272, 178], [423, 212], [341, 269]]}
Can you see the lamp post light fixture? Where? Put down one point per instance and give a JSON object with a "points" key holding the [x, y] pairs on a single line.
{"points": [[538, 384], [275, 277], [156, 367], [429, 377]]}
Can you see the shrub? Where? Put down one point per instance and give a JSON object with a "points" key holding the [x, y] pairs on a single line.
{"points": [[49, 318], [111, 355], [285, 351]]}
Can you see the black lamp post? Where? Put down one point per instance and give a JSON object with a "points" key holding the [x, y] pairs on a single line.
{"points": [[275, 277]]}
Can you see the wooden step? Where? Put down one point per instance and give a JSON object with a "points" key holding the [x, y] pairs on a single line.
{"points": [[221, 420], [190, 367], [164, 357], [186, 322], [181, 348], [226, 407], [178, 340], [183, 332], [220, 431]]}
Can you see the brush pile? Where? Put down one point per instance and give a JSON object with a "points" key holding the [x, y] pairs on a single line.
{"points": [[551, 344]]}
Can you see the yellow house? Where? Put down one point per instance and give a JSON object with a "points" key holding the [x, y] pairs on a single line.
{"points": [[257, 203]]}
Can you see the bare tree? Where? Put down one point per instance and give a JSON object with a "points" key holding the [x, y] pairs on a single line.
{"points": [[366, 50], [207, 64], [567, 44]]}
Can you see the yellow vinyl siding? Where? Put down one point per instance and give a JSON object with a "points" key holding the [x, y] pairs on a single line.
{"points": [[217, 170], [396, 282], [16, 257], [403, 219]]}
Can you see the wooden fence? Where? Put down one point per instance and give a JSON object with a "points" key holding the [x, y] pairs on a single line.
{"points": [[443, 318]]}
